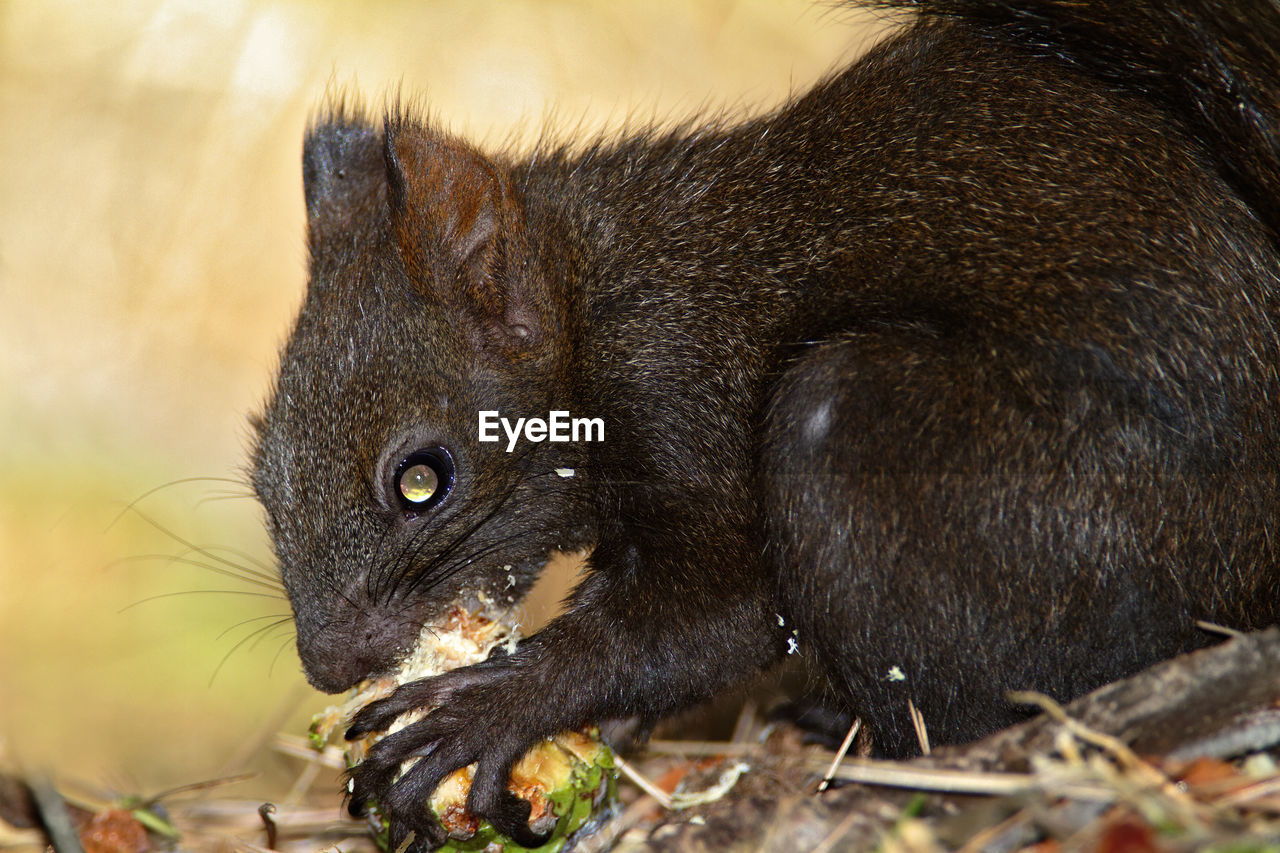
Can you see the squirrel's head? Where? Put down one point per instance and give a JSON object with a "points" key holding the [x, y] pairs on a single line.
{"points": [[426, 305]]}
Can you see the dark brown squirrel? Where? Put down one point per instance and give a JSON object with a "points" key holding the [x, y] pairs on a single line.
{"points": [[959, 371]]}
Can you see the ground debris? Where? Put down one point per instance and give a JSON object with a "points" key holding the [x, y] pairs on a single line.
{"points": [[1182, 757]]}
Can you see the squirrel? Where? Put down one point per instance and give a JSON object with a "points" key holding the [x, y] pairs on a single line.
{"points": [[957, 372]]}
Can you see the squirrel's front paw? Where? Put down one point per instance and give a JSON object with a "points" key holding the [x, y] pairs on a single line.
{"points": [[477, 719]]}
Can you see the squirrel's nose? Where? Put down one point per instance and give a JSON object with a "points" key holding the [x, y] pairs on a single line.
{"points": [[343, 653]]}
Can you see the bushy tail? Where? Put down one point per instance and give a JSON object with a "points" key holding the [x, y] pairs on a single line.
{"points": [[1214, 64]]}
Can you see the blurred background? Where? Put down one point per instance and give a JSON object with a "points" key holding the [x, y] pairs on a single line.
{"points": [[151, 256]]}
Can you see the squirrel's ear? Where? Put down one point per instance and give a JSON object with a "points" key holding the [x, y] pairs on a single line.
{"points": [[342, 177], [461, 231]]}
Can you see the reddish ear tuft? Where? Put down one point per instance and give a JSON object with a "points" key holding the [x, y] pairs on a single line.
{"points": [[454, 218]]}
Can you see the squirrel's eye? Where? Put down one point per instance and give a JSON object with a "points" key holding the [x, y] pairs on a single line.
{"points": [[418, 483], [423, 479]]}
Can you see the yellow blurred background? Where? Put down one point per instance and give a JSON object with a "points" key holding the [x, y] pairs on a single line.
{"points": [[151, 255]]}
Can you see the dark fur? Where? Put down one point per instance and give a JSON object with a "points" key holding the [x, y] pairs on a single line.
{"points": [[962, 363]]}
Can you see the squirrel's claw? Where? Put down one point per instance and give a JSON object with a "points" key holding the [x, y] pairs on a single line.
{"points": [[508, 813], [424, 693], [379, 715], [467, 726]]}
